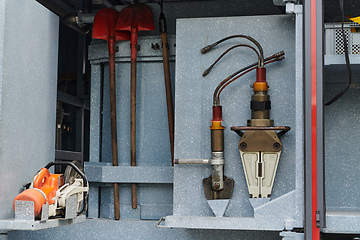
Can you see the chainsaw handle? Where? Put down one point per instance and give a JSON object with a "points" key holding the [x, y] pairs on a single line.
{"points": [[50, 164], [85, 198], [41, 178]]}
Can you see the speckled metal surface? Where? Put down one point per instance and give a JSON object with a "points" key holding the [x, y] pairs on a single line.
{"points": [[153, 147], [24, 210], [32, 225], [28, 83], [193, 114], [108, 229], [292, 236], [128, 174], [341, 137], [342, 222]]}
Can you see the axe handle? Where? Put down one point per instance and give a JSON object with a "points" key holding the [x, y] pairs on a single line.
{"points": [[169, 100]]}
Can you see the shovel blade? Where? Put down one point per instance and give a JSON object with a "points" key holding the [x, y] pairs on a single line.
{"points": [[137, 16], [104, 26]]}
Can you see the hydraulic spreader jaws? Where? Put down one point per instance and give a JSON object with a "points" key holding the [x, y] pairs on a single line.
{"points": [[260, 146]]}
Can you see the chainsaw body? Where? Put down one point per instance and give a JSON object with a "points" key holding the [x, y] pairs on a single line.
{"points": [[55, 189]]}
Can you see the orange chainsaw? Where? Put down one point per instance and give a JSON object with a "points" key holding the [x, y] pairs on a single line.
{"points": [[54, 190]]}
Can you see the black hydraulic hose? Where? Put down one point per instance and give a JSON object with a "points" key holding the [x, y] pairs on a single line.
{"points": [[216, 101], [209, 47], [206, 72]]}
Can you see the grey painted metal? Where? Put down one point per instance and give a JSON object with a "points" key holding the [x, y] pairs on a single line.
{"points": [[155, 211], [2, 47], [307, 94], [299, 86], [24, 210], [342, 222], [193, 113], [28, 83], [44, 212], [108, 229], [71, 207], [148, 194], [32, 225], [276, 215], [128, 174], [341, 155], [292, 235], [219, 206], [93, 211], [340, 121], [299, 95], [4, 236], [153, 158]]}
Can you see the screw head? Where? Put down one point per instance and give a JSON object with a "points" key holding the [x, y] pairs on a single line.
{"points": [[243, 145], [276, 146]]}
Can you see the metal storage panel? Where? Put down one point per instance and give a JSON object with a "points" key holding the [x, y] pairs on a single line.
{"points": [[193, 114], [341, 154], [153, 172], [27, 95]]}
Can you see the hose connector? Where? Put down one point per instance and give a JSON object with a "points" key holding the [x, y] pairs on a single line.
{"points": [[208, 48], [206, 72], [260, 85]]}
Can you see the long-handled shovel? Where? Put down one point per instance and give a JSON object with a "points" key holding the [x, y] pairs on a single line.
{"points": [[134, 18], [169, 101], [104, 28]]}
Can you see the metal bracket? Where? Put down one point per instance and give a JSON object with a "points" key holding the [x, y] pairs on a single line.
{"points": [[317, 218], [211, 194], [292, 8], [159, 222]]}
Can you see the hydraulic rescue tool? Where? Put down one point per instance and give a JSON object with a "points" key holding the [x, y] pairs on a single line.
{"points": [[54, 190], [260, 146]]}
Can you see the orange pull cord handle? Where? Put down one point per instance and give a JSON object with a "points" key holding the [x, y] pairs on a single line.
{"points": [[47, 183], [42, 178]]}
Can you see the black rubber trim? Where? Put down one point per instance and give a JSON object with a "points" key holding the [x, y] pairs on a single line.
{"points": [[260, 106]]}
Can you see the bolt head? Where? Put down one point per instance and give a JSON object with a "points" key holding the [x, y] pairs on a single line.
{"points": [[276, 146], [243, 145]]}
